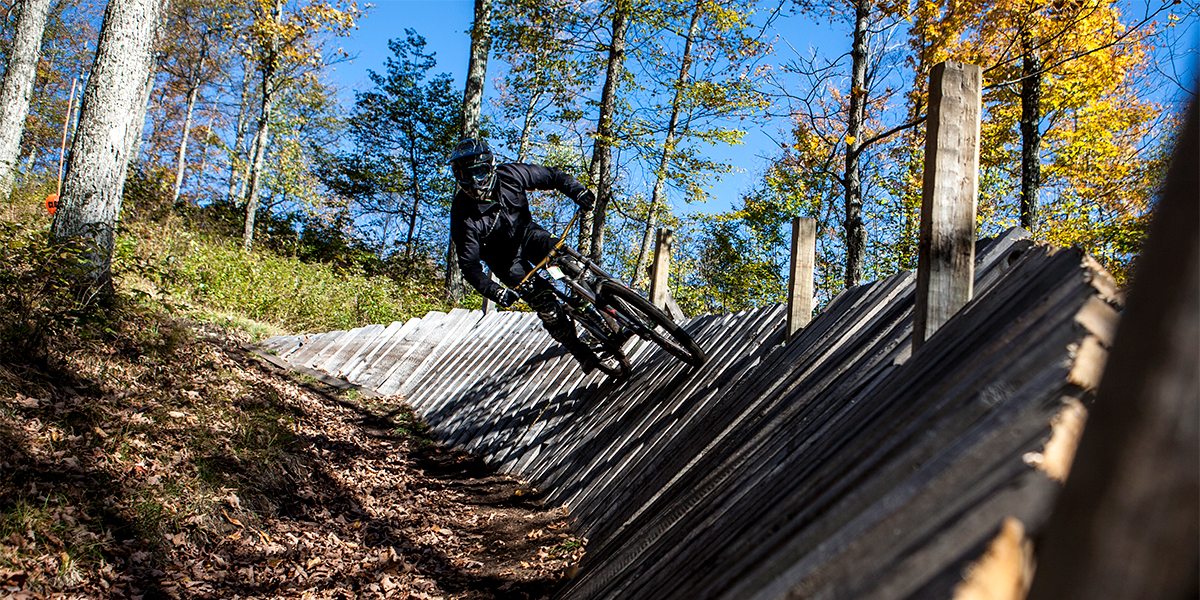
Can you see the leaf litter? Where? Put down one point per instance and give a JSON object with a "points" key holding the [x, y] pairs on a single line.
{"points": [[169, 463]]}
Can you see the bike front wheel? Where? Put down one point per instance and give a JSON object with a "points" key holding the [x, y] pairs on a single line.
{"points": [[649, 323]]}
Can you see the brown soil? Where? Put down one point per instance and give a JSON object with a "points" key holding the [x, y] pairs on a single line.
{"points": [[168, 463]]}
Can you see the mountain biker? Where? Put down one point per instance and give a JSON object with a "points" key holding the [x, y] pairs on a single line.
{"points": [[490, 222]]}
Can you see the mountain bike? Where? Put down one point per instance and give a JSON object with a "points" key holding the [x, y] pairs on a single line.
{"points": [[608, 310]]}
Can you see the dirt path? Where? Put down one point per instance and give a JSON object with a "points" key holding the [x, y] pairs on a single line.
{"points": [[170, 464]]}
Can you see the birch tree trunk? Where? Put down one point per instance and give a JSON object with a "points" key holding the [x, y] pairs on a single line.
{"points": [[269, 66], [601, 165], [668, 146], [481, 45], [112, 106], [856, 232], [18, 85], [181, 161], [527, 126]]}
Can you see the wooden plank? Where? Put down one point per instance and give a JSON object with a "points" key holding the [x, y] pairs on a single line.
{"points": [[660, 275], [946, 246], [800, 274], [446, 337], [372, 372], [738, 469], [312, 346], [1127, 523], [351, 346], [353, 367]]}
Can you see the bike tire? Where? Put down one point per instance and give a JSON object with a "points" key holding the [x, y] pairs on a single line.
{"points": [[653, 324]]}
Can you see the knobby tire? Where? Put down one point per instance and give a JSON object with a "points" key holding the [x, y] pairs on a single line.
{"points": [[661, 329]]}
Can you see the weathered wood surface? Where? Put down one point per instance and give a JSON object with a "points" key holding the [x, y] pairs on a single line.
{"points": [[840, 465], [949, 193], [1127, 524], [800, 274]]}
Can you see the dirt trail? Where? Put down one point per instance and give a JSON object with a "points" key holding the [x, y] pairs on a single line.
{"points": [[168, 463]]}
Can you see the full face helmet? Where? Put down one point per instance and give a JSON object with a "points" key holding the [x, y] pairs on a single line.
{"points": [[474, 168]]}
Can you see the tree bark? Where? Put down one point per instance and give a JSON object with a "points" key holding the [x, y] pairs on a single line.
{"points": [[181, 161], [1031, 134], [481, 45], [269, 66], [261, 138], [18, 85], [111, 108], [856, 232], [668, 147], [601, 165]]}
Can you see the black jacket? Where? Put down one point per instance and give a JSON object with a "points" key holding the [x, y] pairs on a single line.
{"points": [[495, 230]]}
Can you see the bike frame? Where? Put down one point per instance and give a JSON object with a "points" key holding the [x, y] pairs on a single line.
{"points": [[573, 282]]}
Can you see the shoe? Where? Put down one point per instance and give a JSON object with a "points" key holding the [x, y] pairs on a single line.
{"points": [[588, 363]]}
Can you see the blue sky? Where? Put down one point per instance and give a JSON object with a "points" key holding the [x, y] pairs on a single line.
{"points": [[443, 24]]}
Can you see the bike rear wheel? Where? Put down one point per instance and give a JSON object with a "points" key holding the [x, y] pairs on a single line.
{"points": [[648, 322]]}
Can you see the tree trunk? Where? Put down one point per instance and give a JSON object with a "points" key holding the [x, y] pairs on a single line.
{"points": [[481, 45], [413, 163], [261, 138], [181, 162], [112, 106], [18, 85], [207, 142], [134, 137], [269, 66], [527, 126], [668, 147], [235, 194], [601, 166], [856, 232], [1031, 135]]}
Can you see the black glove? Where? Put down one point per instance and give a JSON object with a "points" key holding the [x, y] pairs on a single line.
{"points": [[586, 200], [507, 298]]}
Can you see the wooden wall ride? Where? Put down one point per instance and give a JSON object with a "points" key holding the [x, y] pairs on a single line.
{"points": [[839, 465]]}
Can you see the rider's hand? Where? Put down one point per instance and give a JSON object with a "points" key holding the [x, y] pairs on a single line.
{"points": [[507, 298], [586, 200]]}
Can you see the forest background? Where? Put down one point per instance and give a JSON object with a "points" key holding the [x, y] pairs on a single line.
{"points": [[251, 135]]}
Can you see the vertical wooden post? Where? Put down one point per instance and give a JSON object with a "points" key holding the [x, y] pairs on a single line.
{"points": [[946, 248], [660, 271], [660, 275], [800, 281]]}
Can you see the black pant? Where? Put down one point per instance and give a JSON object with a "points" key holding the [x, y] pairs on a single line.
{"points": [[509, 265]]}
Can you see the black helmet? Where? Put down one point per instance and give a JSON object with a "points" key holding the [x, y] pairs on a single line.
{"points": [[474, 167]]}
